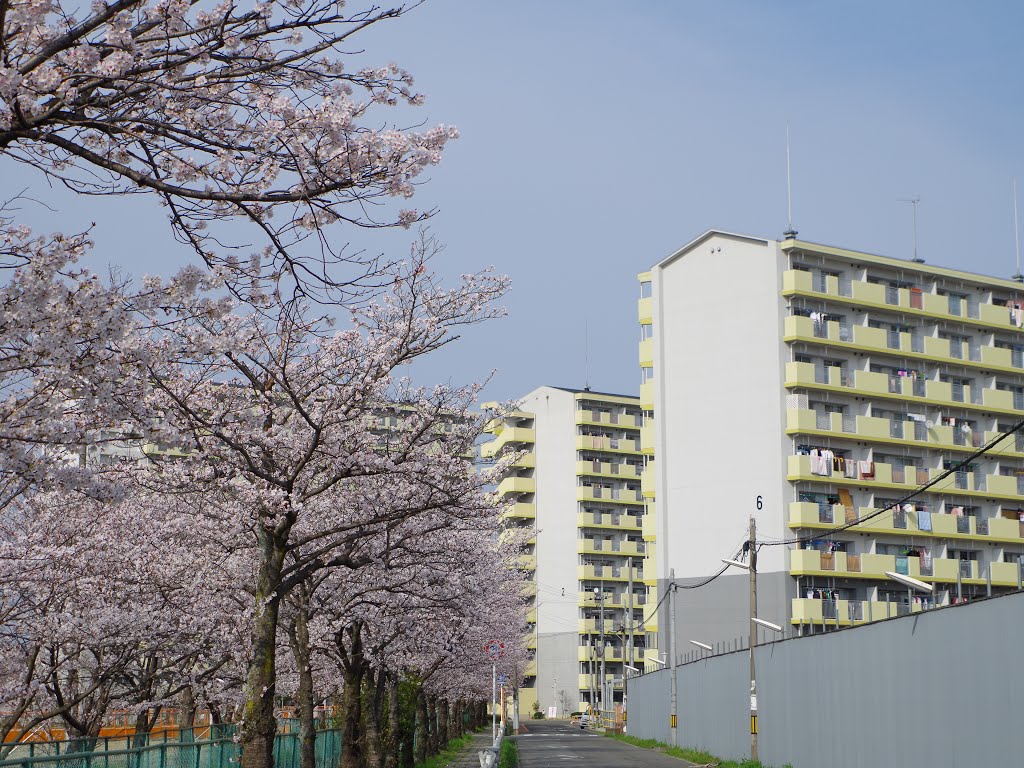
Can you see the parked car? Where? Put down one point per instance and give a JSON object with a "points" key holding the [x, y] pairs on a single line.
{"points": [[584, 722]]}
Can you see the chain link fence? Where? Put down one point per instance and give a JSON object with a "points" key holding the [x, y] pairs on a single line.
{"points": [[187, 749]]}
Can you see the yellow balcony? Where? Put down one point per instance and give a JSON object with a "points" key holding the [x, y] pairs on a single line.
{"points": [[647, 353], [867, 293], [525, 562], [604, 520], [873, 295], [505, 436], [517, 485], [647, 395], [647, 481], [647, 437], [645, 311], [613, 495], [648, 523], [796, 280], [844, 612], [605, 469], [996, 357], [526, 461], [1005, 574], [530, 670], [803, 514], [521, 510], [608, 573], [998, 398], [888, 476], [611, 444], [1002, 528], [590, 547], [625, 420]]}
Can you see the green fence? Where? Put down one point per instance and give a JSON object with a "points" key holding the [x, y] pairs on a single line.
{"points": [[180, 752]]}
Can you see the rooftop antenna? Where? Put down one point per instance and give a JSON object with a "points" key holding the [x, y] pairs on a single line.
{"points": [[913, 202], [790, 232], [586, 355], [1016, 234]]}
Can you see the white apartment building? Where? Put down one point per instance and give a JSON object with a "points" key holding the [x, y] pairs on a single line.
{"points": [[760, 358], [577, 484]]}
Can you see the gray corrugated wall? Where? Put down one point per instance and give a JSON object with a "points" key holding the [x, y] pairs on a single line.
{"points": [[940, 689]]}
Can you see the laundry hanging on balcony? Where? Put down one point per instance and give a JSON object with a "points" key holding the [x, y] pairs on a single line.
{"points": [[1016, 313], [866, 469], [822, 462], [924, 520]]}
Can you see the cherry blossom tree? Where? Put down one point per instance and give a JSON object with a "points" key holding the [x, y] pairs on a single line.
{"points": [[280, 414], [259, 112], [108, 604]]}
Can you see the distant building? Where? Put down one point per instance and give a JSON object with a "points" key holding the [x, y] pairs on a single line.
{"points": [[809, 386], [578, 484]]}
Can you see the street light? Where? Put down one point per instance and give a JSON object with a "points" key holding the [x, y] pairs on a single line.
{"points": [[657, 660], [632, 669], [911, 584], [699, 644], [737, 563], [907, 581], [767, 624]]}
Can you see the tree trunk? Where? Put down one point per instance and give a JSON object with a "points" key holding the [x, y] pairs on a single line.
{"points": [[442, 722], [432, 742], [144, 722], [373, 719], [421, 726], [352, 706], [298, 638], [186, 714], [258, 726], [393, 740]]}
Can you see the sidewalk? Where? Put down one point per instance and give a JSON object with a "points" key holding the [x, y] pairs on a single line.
{"points": [[468, 758]]}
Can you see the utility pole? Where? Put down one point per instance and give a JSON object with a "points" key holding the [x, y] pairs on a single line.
{"points": [[672, 718], [753, 637], [593, 662], [603, 685], [628, 650]]}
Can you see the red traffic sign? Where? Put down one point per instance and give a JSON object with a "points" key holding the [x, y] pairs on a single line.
{"points": [[494, 649]]}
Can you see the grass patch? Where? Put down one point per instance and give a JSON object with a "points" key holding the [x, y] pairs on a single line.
{"points": [[693, 755], [449, 753], [509, 755]]}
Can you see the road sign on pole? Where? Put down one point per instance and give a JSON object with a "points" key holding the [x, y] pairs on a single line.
{"points": [[494, 649]]}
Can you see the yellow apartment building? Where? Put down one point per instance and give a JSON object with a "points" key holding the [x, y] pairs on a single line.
{"points": [[577, 484], [810, 386]]}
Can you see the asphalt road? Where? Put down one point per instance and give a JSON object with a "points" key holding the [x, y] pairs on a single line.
{"points": [[551, 743]]}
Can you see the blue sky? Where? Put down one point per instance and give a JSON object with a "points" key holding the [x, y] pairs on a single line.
{"points": [[597, 137]]}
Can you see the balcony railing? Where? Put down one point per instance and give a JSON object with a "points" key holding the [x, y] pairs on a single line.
{"points": [[829, 609]]}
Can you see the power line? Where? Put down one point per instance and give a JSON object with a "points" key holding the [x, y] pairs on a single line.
{"points": [[676, 585], [912, 495]]}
